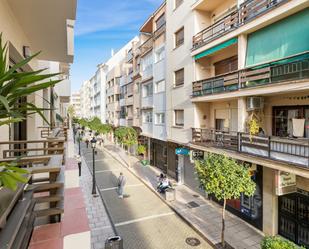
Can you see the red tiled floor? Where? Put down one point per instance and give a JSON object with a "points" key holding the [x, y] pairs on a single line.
{"points": [[73, 202], [46, 232], [74, 221], [48, 244], [71, 163], [73, 191]]}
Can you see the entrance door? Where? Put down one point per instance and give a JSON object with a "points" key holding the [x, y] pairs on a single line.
{"points": [[294, 217], [190, 177]]}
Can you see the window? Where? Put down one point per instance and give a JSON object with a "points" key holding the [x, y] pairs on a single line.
{"points": [[160, 86], [147, 117], [160, 21], [179, 117], [147, 90], [160, 118], [178, 3], [179, 37], [179, 77], [159, 54]]}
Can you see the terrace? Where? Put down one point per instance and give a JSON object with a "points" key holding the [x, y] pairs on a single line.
{"points": [[289, 150], [290, 69], [247, 11]]}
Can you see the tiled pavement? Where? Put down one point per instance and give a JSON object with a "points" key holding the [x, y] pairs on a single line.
{"points": [[100, 226], [206, 218]]}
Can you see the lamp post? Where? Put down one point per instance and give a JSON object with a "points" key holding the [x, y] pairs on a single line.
{"points": [[93, 142], [79, 162], [79, 138]]}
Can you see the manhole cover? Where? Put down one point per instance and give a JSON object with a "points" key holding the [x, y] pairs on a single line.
{"points": [[193, 241], [193, 204]]}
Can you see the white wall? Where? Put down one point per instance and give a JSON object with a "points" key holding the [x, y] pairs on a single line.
{"points": [[177, 58]]}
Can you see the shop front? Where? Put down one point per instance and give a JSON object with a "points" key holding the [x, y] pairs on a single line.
{"points": [[250, 209], [294, 217], [159, 154]]}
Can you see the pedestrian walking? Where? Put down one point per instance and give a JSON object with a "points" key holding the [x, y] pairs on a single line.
{"points": [[121, 182]]}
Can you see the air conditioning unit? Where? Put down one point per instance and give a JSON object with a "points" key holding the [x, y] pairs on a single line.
{"points": [[255, 103]]}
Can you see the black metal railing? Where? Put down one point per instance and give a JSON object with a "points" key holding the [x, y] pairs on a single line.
{"points": [[289, 150], [246, 12]]}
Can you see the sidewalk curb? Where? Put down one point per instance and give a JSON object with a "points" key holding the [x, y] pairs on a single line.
{"points": [[167, 203], [100, 194]]}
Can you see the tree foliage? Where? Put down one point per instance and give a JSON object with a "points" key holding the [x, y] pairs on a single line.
{"points": [[126, 135], [225, 178], [141, 149]]}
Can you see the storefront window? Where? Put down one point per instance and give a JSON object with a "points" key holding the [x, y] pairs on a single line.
{"points": [[250, 208]]}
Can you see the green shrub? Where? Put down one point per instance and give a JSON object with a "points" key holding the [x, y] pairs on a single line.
{"points": [[277, 242]]}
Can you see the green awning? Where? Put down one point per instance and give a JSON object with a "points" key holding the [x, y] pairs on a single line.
{"points": [[282, 39], [216, 48]]}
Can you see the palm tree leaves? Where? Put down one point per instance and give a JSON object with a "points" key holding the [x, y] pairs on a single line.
{"points": [[16, 84]]}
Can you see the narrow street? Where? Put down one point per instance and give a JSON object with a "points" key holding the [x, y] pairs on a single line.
{"points": [[141, 219]]}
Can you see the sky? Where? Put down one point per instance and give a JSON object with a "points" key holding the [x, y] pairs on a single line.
{"points": [[103, 25]]}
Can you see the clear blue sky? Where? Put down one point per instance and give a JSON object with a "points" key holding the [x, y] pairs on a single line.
{"points": [[103, 25]]}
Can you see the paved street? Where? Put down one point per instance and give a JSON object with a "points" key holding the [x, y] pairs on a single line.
{"points": [[143, 220]]}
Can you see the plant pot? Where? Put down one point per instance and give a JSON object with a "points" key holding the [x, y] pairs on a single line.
{"points": [[144, 162]]}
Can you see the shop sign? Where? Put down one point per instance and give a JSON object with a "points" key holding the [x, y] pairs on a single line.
{"points": [[285, 183], [196, 155], [182, 151]]}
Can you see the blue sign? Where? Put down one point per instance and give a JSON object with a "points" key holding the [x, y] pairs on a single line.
{"points": [[182, 151]]}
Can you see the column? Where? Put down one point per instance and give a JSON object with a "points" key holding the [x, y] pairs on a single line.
{"points": [[270, 203], [242, 49], [242, 114]]}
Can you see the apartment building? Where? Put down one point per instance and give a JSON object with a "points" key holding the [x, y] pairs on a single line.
{"points": [[27, 32], [152, 87], [231, 62], [118, 100], [85, 96], [76, 103]]}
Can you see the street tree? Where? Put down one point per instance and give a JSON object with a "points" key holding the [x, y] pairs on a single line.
{"points": [[226, 179], [126, 136]]}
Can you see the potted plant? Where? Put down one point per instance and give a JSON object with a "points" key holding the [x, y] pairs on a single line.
{"points": [[142, 150]]}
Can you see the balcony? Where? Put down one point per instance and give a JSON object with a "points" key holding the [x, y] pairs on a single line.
{"points": [[146, 46], [129, 56], [129, 101], [288, 150], [159, 31], [147, 73], [270, 73], [246, 12]]}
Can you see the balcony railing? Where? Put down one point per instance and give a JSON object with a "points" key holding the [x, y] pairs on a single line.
{"points": [[146, 46], [159, 30], [246, 12], [270, 73], [289, 150]]}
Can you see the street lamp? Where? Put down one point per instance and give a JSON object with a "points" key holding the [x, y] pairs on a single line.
{"points": [[79, 162], [93, 142], [79, 138]]}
